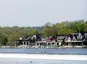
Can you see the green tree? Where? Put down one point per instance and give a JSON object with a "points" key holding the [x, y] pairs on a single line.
{"points": [[78, 26], [65, 32], [50, 31], [85, 27], [3, 39], [33, 32]]}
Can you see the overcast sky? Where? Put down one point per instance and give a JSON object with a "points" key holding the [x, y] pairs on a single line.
{"points": [[38, 12]]}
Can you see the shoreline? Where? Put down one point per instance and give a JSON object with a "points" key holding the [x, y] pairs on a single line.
{"points": [[44, 56], [44, 47]]}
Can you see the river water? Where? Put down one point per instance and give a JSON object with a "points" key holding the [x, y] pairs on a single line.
{"points": [[64, 51], [59, 51]]}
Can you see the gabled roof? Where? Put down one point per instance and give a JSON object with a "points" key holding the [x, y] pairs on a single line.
{"points": [[60, 37]]}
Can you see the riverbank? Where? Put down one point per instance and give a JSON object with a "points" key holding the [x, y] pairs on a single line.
{"points": [[44, 56], [26, 46]]}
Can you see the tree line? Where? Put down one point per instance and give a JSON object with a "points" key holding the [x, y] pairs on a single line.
{"points": [[10, 34]]}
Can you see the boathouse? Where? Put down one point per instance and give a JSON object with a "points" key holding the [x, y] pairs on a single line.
{"points": [[29, 40], [60, 39], [76, 39]]}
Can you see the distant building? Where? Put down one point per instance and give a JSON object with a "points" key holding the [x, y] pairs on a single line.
{"points": [[26, 41], [85, 39], [59, 40], [76, 39]]}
